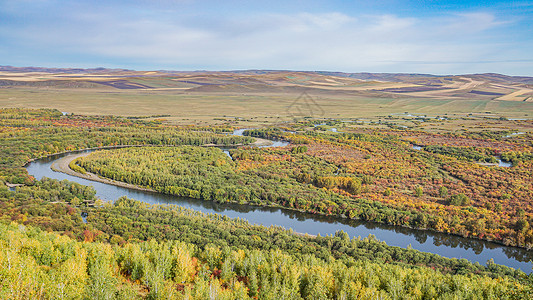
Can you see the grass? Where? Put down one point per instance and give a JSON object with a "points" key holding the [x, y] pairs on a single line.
{"points": [[188, 107]]}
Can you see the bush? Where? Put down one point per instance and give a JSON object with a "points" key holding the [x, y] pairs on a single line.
{"points": [[443, 192], [299, 149], [419, 191], [460, 200]]}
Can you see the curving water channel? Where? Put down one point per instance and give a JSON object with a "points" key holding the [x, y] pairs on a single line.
{"points": [[427, 241]]}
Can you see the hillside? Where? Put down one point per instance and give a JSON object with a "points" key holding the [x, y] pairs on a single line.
{"points": [[473, 86]]}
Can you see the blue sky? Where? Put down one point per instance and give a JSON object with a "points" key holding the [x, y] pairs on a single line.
{"points": [[438, 37]]}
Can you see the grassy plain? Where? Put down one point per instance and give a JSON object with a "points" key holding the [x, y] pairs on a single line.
{"points": [[254, 98], [183, 107]]}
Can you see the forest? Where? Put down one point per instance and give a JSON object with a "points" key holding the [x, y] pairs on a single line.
{"points": [[28, 134], [374, 176], [131, 250]]}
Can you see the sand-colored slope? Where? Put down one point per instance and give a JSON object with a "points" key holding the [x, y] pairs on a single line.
{"points": [[522, 94]]}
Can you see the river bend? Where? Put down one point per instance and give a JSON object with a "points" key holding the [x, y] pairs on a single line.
{"points": [[427, 241]]}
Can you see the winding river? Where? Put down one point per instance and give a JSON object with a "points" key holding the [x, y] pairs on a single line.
{"points": [[443, 244]]}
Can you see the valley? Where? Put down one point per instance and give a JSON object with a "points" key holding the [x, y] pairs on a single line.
{"points": [[259, 183]]}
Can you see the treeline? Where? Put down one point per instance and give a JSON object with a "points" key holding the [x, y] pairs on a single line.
{"points": [[278, 177], [208, 174], [486, 202], [134, 250], [466, 153], [29, 134], [128, 220], [133, 220], [42, 265], [267, 133]]}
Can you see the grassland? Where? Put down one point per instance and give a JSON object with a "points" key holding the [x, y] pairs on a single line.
{"points": [[183, 108], [255, 99]]}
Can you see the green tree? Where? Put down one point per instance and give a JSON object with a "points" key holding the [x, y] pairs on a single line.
{"points": [[459, 200], [443, 192], [419, 191]]}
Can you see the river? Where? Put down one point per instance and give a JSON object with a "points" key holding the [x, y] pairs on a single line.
{"points": [[427, 241]]}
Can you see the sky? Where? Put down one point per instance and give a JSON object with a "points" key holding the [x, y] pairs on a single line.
{"points": [[435, 37]]}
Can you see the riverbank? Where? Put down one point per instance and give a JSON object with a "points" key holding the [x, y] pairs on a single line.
{"points": [[62, 165], [258, 143], [447, 245]]}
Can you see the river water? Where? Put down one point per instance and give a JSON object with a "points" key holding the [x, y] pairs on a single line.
{"points": [[427, 241]]}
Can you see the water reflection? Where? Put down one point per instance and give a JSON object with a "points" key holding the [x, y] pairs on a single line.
{"points": [[84, 216], [427, 241], [504, 164], [514, 133]]}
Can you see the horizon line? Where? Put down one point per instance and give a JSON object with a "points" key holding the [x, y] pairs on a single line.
{"points": [[5, 68]]}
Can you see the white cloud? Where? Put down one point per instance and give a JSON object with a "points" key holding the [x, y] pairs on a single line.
{"points": [[384, 24], [471, 23], [305, 41]]}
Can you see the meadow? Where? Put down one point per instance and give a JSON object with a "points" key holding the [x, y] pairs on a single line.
{"points": [[256, 99]]}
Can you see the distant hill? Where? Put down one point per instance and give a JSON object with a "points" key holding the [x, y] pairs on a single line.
{"points": [[396, 85], [60, 70]]}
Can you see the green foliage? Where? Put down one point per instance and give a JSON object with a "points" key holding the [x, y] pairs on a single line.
{"points": [[522, 225], [515, 157], [136, 220], [73, 165], [419, 191], [443, 192], [267, 133], [466, 153], [459, 200], [178, 270], [133, 250], [299, 149]]}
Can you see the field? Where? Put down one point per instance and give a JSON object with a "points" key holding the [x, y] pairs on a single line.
{"points": [[254, 98]]}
